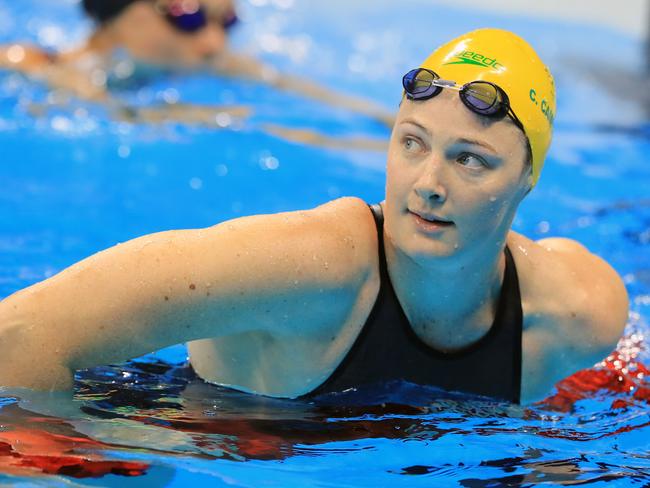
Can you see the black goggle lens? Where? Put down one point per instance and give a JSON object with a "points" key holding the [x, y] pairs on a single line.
{"points": [[418, 84], [485, 98], [191, 17], [230, 21], [188, 21]]}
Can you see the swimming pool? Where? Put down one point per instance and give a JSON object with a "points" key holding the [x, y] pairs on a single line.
{"points": [[74, 183]]}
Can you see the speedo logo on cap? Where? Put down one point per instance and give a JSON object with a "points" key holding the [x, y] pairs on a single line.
{"points": [[477, 59]]}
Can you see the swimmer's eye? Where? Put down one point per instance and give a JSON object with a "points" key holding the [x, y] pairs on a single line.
{"points": [[472, 161], [411, 144]]}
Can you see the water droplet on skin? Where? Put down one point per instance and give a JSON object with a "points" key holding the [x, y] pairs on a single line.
{"points": [[231, 227]]}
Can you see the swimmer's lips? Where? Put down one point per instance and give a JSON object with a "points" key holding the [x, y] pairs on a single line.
{"points": [[431, 223]]}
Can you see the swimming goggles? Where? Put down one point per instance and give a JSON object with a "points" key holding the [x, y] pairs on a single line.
{"points": [[190, 16], [481, 97]]}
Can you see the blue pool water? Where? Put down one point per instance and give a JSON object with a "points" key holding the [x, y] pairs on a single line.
{"points": [[73, 181]]}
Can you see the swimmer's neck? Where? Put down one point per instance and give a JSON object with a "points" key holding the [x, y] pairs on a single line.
{"points": [[458, 294]]}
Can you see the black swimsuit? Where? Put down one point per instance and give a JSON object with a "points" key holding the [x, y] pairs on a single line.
{"points": [[387, 348]]}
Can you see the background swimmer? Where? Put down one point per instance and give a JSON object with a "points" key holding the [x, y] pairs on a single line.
{"points": [[169, 34], [280, 300]]}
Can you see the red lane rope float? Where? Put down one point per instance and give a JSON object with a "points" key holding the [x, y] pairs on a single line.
{"points": [[621, 374], [27, 452]]}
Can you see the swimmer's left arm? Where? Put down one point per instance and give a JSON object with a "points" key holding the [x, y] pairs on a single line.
{"points": [[575, 308]]}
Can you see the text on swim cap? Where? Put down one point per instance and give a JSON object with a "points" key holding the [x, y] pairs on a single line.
{"points": [[544, 106], [471, 57]]}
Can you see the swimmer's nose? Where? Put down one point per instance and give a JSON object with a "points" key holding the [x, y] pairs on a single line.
{"points": [[211, 42], [430, 185]]}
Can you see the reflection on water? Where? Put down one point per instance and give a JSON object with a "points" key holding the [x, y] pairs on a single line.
{"points": [[132, 420], [33, 444]]}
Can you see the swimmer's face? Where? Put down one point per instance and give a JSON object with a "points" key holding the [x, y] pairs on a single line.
{"points": [[448, 164], [149, 37]]}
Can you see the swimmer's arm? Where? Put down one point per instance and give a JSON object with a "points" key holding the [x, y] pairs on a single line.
{"points": [[214, 116], [307, 136], [577, 313], [35, 62], [241, 66], [253, 273], [23, 58]]}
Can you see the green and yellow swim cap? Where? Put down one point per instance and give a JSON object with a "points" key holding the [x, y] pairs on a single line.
{"points": [[505, 59]]}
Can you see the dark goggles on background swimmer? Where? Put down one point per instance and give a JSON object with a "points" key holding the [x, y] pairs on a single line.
{"points": [[481, 97], [190, 16]]}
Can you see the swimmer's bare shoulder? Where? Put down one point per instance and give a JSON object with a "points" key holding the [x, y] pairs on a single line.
{"points": [[51, 68], [329, 273], [289, 273], [575, 309]]}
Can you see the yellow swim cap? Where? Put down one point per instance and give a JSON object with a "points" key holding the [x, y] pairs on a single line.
{"points": [[508, 61]]}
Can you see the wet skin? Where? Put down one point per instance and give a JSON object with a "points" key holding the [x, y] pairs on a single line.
{"points": [[272, 303], [453, 184]]}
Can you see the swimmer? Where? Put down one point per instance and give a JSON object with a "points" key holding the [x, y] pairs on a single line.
{"points": [[430, 286], [135, 36]]}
